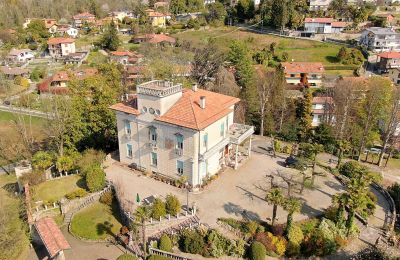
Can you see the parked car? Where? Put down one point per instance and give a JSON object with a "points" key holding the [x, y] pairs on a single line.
{"points": [[7, 103]]}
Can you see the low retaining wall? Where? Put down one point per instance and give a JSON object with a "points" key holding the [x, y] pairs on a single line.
{"points": [[159, 252]]}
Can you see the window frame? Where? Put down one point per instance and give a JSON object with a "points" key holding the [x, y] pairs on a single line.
{"points": [[127, 126], [154, 158], [179, 140], [129, 152], [179, 170]]}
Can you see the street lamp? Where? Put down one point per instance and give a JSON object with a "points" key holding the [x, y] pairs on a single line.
{"points": [[187, 196]]}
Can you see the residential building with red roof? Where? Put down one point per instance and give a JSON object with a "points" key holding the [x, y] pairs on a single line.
{"points": [[126, 57], [85, 17], [308, 74], [155, 39], [47, 233], [157, 19], [322, 110], [179, 132], [323, 25], [388, 60], [58, 83], [60, 47]]}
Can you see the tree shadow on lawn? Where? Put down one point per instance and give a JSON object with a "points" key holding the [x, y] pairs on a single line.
{"points": [[332, 59], [81, 183], [104, 228], [237, 210], [11, 188]]}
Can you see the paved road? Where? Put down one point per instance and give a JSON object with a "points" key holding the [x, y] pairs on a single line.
{"points": [[24, 111]]}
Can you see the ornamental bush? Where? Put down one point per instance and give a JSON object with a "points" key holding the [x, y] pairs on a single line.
{"points": [[257, 251], [295, 234], [165, 243], [158, 209], [79, 193], [172, 205], [251, 227], [192, 242], [95, 178], [107, 198], [127, 257]]}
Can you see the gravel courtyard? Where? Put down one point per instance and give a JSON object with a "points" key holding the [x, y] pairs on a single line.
{"points": [[234, 193]]}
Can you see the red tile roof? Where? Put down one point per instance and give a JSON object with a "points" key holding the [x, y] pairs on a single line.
{"points": [[51, 236], [187, 112], [390, 55], [339, 24], [158, 38], [318, 20], [60, 40], [303, 67], [129, 107], [322, 100]]}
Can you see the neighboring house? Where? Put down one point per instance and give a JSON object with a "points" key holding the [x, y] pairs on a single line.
{"points": [[177, 132], [64, 30], [76, 58], [322, 108], [388, 60], [319, 5], [48, 23], [121, 15], [82, 18], [47, 234], [125, 57], [12, 72], [388, 18], [61, 47], [394, 75], [133, 74], [58, 83], [20, 56], [303, 73], [154, 39], [323, 25], [157, 19], [187, 16], [379, 39], [158, 5]]}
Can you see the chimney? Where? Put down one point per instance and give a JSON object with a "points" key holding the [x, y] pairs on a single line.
{"points": [[203, 102], [194, 87]]}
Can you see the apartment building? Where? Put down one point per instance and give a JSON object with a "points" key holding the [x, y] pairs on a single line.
{"points": [[177, 132], [307, 74], [379, 39], [61, 47]]}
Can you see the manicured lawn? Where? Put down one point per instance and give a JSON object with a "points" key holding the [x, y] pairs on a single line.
{"points": [[56, 189], [298, 49], [13, 230], [96, 222]]}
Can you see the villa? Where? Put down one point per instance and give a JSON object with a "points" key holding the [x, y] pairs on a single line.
{"points": [[304, 73], [177, 132]]}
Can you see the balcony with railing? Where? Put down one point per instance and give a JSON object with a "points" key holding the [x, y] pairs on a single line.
{"points": [[239, 132]]}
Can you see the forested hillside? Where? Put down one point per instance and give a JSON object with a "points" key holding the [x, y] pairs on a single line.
{"points": [[13, 12]]}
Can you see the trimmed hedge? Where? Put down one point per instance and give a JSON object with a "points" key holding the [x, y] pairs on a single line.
{"points": [[165, 243], [257, 251]]}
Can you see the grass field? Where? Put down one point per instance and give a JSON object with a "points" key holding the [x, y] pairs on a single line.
{"points": [[298, 49], [56, 189], [7, 118], [96, 222], [14, 232]]}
